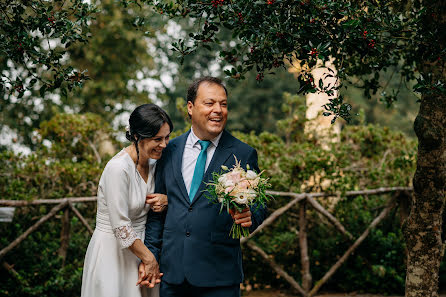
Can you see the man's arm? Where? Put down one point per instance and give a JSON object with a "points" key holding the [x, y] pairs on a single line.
{"points": [[258, 212], [155, 220]]}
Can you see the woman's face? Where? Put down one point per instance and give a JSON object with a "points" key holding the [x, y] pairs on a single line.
{"points": [[153, 147]]}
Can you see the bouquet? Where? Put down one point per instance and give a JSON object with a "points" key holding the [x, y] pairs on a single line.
{"points": [[237, 189]]}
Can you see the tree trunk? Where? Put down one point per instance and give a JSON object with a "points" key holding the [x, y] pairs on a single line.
{"points": [[424, 225]]}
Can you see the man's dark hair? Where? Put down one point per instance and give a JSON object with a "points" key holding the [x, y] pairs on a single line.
{"points": [[193, 88]]}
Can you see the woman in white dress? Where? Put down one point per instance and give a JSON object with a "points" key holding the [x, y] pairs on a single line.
{"points": [[125, 195]]}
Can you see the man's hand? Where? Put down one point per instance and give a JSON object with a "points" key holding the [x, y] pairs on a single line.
{"points": [[158, 202], [148, 273], [243, 218]]}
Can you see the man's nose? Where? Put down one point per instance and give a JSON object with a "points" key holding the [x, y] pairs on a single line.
{"points": [[217, 108]]}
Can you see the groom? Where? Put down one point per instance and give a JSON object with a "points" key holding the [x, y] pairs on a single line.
{"points": [[191, 240]]}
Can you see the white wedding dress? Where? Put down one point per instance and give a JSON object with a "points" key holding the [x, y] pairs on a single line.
{"points": [[110, 268]]}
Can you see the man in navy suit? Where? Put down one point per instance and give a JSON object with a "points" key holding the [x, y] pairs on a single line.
{"points": [[191, 240]]}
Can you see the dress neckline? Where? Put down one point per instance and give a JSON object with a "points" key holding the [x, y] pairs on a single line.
{"points": [[139, 174]]}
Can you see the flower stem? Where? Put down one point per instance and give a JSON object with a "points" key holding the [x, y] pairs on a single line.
{"points": [[237, 231]]}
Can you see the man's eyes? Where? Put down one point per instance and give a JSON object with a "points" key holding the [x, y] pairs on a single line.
{"points": [[212, 103]]}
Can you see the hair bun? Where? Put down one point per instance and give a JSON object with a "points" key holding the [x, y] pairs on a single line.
{"points": [[128, 136]]}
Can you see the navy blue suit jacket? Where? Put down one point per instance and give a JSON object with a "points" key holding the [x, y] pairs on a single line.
{"points": [[191, 239]]}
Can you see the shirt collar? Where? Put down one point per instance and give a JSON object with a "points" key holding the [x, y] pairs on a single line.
{"points": [[194, 138]]}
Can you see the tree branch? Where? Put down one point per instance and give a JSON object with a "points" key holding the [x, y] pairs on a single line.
{"points": [[279, 270], [341, 261]]}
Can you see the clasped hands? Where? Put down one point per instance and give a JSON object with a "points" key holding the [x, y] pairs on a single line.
{"points": [[157, 202], [149, 274]]}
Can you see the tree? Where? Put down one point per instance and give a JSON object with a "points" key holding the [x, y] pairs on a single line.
{"points": [[363, 38], [117, 60], [34, 39], [98, 41]]}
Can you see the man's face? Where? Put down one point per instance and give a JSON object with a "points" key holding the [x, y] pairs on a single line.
{"points": [[209, 112]]}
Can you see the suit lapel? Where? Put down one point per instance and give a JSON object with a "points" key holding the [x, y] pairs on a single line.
{"points": [[177, 165], [221, 154]]}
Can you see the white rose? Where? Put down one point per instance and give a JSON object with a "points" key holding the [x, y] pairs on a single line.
{"points": [[225, 182], [222, 179], [251, 174], [250, 195]]}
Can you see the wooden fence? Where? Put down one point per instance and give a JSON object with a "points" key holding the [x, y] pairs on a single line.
{"points": [[304, 201]]}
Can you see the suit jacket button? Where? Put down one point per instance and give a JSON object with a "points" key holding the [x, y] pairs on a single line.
{"points": [[190, 209], [187, 233]]}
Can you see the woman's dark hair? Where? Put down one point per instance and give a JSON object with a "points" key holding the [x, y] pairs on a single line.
{"points": [[145, 122]]}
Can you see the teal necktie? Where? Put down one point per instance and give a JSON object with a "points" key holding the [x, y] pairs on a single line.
{"points": [[199, 169]]}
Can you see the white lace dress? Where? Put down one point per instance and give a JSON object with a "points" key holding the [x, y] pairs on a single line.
{"points": [[110, 268]]}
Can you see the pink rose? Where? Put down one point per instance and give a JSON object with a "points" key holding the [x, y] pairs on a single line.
{"points": [[234, 176], [229, 189], [244, 184]]}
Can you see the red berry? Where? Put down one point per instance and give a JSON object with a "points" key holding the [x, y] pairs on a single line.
{"points": [[259, 76], [19, 88], [216, 3], [365, 33], [240, 17]]}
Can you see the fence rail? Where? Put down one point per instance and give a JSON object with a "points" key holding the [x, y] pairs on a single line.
{"points": [[303, 200]]}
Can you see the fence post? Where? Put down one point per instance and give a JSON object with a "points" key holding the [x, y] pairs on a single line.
{"points": [[64, 235], [25, 234], [303, 243]]}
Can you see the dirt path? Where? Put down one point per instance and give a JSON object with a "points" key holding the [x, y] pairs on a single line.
{"points": [[275, 293]]}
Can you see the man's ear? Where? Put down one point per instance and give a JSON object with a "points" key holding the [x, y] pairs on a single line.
{"points": [[189, 108]]}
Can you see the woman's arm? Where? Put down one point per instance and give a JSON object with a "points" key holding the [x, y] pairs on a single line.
{"points": [[150, 270]]}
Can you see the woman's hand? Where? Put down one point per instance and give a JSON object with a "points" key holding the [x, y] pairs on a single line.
{"points": [[158, 202], [148, 275]]}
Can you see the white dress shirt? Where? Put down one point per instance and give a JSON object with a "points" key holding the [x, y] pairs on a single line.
{"points": [[190, 155]]}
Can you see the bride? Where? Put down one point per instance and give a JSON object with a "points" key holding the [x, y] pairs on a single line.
{"points": [[125, 196]]}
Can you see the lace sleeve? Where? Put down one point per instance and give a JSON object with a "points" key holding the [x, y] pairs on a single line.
{"points": [[125, 235]]}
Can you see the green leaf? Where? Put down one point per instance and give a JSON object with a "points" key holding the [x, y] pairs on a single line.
{"points": [[42, 90]]}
